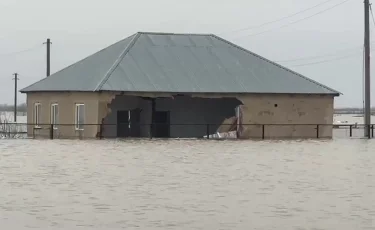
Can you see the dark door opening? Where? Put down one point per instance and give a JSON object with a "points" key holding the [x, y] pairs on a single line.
{"points": [[128, 123], [123, 124], [135, 123], [162, 124]]}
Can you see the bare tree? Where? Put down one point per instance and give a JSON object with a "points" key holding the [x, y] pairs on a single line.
{"points": [[8, 108], [10, 129]]}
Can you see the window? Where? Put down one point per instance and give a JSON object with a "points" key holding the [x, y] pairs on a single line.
{"points": [[80, 116], [54, 115], [37, 110]]}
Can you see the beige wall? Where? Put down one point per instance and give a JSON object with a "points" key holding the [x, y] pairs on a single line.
{"points": [[298, 110], [290, 111], [66, 104]]}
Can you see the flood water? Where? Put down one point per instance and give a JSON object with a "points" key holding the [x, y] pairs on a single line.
{"points": [[187, 184]]}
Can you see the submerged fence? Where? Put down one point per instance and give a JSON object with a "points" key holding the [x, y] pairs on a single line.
{"points": [[196, 131]]}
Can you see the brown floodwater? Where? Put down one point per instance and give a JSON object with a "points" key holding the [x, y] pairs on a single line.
{"points": [[187, 184]]}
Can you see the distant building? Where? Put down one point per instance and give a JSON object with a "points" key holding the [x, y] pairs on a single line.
{"points": [[176, 80]]}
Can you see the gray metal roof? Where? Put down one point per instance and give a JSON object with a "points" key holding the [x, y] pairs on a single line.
{"points": [[178, 63]]}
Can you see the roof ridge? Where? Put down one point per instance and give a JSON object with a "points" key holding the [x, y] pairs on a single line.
{"points": [[52, 75], [274, 63], [171, 33], [117, 62]]}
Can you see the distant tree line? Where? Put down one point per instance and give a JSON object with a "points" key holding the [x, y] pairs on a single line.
{"points": [[9, 108], [352, 109]]}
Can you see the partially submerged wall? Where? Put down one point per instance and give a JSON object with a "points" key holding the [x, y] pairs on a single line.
{"points": [[290, 114], [284, 116], [66, 105], [188, 116]]}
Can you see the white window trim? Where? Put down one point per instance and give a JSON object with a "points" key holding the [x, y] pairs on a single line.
{"points": [[53, 119], [76, 116], [36, 118]]}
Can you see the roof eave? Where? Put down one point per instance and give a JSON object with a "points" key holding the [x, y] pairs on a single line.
{"points": [[335, 94]]}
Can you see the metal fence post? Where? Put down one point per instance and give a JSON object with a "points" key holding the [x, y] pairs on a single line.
{"points": [[51, 132], [351, 130], [101, 131], [372, 131], [317, 131], [263, 134], [151, 130], [369, 131], [208, 131]]}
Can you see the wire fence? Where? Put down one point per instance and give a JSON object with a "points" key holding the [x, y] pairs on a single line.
{"points": [[196, 131]]}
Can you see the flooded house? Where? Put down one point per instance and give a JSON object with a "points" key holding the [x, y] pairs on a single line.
{"points": [[179, 86]]}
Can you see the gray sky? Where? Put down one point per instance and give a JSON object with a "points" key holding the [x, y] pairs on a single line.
{"points": [[79, 28]]}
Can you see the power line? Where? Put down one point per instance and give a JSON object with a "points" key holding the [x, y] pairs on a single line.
{"points": [[325, 61], [21, 51], [292, 23], [372, 14], [277, 20], [313, 57], [328, 55], [358, 48]]}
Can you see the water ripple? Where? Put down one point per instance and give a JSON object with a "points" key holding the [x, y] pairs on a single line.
{"points": [[182, 184]]}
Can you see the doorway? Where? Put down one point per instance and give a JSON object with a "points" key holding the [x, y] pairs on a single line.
{"points": [[128, 123], [162, 124], [135, 123]]}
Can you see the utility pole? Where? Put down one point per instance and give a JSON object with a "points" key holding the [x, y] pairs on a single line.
{"points": [[367, 115], [15, 96], [48, 56]]}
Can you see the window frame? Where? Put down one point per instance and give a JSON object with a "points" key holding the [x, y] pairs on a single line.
{"points": [[36, 114], [54, 117], [77, 126]]}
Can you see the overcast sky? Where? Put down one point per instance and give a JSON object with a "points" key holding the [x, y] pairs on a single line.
{"points": [[79, 28]]}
